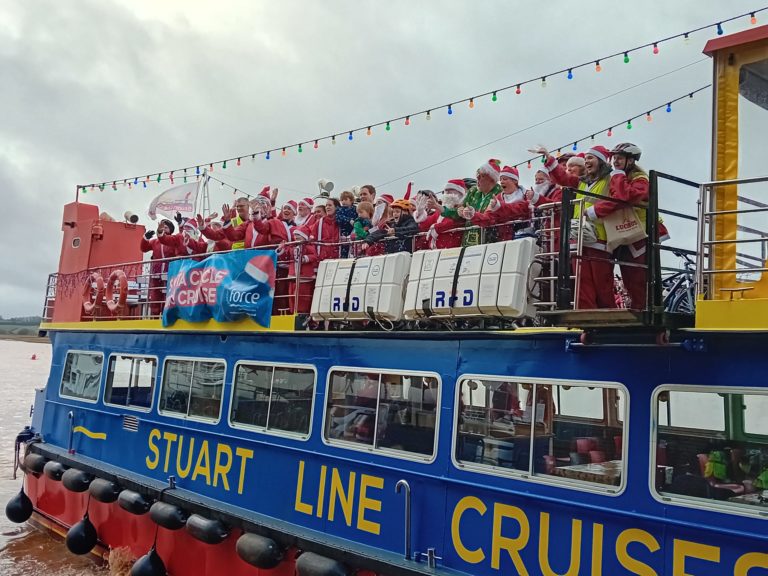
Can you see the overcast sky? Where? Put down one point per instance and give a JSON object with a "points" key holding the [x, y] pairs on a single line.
{"points": [[98, 90]]}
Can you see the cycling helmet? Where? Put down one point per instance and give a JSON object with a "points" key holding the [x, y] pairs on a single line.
{"points": [[402, 204], [627, 149]]}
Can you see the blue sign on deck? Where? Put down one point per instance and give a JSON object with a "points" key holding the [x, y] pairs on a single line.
{"points": [[224, 287]]}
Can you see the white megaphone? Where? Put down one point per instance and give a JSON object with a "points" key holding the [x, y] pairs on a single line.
{"points": [[356, 191], [326, 187], [131, 217]]}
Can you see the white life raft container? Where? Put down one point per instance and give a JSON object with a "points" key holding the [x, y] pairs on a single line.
{"points": [[489, 280], [360, 289]]}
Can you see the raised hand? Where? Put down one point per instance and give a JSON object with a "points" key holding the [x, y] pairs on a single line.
{"points": [[200, 221], [148, 234], [179, 218]]}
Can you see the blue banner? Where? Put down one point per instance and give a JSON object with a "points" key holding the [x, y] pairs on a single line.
{"points": [[224, 287]]}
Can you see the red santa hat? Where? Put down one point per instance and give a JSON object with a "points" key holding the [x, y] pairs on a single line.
{"points": [[191, 224], [265, 192], [291, 204], [388, 198], [300, 233], [510, 172], [600, 152], [456, 186], [261, 269], [308, 202], [492, 168]]}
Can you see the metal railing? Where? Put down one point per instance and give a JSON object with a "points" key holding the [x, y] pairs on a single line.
{"points": [[709, 244]]}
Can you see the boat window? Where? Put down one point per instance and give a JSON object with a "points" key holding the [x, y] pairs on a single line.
{"points": [[692, 410], [130, 381], [723, 461], [82, 375], [192, 388], [277, 398], [552, 431], [394, 413]]}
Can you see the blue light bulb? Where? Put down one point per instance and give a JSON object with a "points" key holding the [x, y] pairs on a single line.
{"points": [[350, 135], [575, 146], [669, 107], [570, 74], [719, 29], [267, 156], [450, 110]]}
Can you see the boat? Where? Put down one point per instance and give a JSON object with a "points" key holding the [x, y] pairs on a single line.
{"points": [[397, 434]]}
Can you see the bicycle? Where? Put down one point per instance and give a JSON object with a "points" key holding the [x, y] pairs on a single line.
{"points": [[679, 289]]}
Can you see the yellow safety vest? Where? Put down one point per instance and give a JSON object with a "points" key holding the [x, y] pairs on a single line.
{"points": [[236, 221], [602, 188]]}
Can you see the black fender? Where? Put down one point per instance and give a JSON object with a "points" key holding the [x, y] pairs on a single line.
{"points": [[259, 551], [104, 490], [19, 508], [76, 480], [82, 537], [34, 463], [206, 530], [168, 516], [311, 564], [54, 470], [133, 502]]}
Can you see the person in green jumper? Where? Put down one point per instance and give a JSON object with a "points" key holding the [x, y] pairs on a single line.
{"points": [[479, 197]]}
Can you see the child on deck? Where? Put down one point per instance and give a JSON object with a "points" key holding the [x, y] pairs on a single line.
{"points": [[345, 218], [362, 224]]}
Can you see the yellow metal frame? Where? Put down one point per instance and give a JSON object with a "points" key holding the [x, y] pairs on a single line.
{"points": [[279, 324], [728, 63]]}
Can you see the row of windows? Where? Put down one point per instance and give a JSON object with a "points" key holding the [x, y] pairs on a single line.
{"points": [[708, 445]]}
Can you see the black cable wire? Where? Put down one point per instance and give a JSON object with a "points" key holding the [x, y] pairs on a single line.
{"points": [[545, 121]]}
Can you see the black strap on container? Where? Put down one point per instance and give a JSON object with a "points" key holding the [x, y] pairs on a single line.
{"points": [[349, 286], [456, 279]]}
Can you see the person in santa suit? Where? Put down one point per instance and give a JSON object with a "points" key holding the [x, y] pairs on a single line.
{"points": [[379, 222], [596, 277], [442, 231], [629, 182], [158, 270], [326, 231], [246, 232], [304, 216], [302, 271], [187, 242], [506, 207]]}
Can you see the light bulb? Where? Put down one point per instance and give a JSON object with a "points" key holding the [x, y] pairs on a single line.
{"points": [[597, 66], [471, 103], [570, 74]]}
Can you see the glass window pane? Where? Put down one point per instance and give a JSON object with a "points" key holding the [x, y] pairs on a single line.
{"points": [[586, 451], [756, 414], [290, 406], [494, 423], [579, 401], [351, 410], [177, 376], [250, 401], [130, 381], [703, 463], [82, 375], [698, 410], [206, 389], [407, 413]]}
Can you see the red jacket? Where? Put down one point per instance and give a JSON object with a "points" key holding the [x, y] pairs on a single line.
{"points": [[159, 251], [245, 232], [326, 230], [309, 260], [184, 245], [275, 229], [506, 212], [438, 229]]}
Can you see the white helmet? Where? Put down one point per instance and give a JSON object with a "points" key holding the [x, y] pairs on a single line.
{"points": [[627, 149]]}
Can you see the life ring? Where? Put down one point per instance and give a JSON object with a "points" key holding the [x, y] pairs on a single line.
{"points": [[89, 305], [113, 305]]}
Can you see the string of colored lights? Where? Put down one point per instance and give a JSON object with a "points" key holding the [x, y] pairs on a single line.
{"points": [[183, 173]]}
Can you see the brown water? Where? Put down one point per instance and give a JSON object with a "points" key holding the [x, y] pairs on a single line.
{"points": [[24, 551]]}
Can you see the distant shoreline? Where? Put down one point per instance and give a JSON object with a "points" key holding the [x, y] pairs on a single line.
{"points": [[24, 338]]}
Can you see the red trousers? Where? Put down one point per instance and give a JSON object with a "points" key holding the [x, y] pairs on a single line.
{"points": [[281, 305], [596, 280], [303, 304], [634, 277]]}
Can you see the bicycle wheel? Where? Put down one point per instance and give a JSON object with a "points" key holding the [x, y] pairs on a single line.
{"points": [[682, 300]]}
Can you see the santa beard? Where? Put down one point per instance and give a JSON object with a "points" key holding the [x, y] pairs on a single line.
{"points": [[300, 220], [452, 200], [542, 189]]}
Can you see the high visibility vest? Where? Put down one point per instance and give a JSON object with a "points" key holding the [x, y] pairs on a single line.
{"points": [[236, 221], [602, 188]]}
